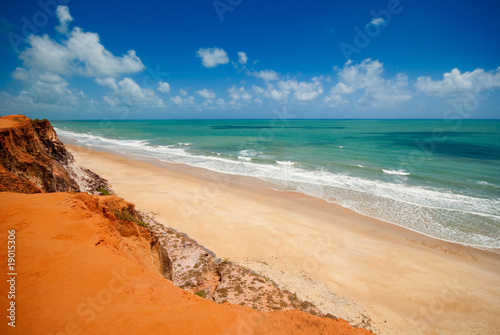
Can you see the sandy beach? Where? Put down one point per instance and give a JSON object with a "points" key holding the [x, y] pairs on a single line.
{"points": [[350, 265]]}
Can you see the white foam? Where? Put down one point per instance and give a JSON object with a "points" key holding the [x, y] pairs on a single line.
{"points": [[398, 172], [287, 163]]}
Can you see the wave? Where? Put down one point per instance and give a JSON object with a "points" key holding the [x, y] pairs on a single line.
{"points": [[398, 172], [431, 211], [287, 163]]}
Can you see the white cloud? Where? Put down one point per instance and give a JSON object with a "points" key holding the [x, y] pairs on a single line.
{"points": [[64, 18], [242, 58], [81, 54], [212, 57], [110, 82], [367, 77], [258, 90], [183, 92], [377, 22], [207, 94], [128, 93], [42, 90], [163, 87], [237, 94], [457, 82], [267, 75], [302, 91], [177, 100], [180, 101]]}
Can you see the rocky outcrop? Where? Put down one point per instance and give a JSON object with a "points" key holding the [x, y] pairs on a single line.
{"points": [[9, 182], [31, 150], [197, 270]]}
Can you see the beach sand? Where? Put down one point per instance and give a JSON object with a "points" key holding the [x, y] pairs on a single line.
{"points": [[372, 273]]}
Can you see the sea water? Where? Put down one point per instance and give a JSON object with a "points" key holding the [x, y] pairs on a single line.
{"points": [[440, 178]]}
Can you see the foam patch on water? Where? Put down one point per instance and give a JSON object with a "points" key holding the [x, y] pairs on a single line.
{"points": [[396, 172]]}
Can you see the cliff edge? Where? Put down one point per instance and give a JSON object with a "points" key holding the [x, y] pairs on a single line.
{"points": [[33, 159]]}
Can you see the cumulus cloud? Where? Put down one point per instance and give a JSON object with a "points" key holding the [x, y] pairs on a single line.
{"points": [[367, 78], [183, 92], [128, 93], [64, 17], [242, 58], [81, 54], [42, 90], [267, 75], [300, 90], [258, 90], [239, 93], [207, 94], [212, 57], [180, 101], [109, 82], [457, 82], [377, 22], [163, 87]]}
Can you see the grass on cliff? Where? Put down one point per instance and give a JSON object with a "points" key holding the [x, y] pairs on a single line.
{"points": [[127, 216], [202, 294], [103, 191], [38, 120]]}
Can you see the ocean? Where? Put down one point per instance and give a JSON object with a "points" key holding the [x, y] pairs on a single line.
{"points": [[440, 178]]}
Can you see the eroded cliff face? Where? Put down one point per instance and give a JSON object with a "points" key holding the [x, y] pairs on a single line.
{"points": [[31, 152], [123, 225]]}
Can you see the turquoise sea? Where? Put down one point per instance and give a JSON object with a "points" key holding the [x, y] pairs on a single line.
{"points": [[440, 178]]}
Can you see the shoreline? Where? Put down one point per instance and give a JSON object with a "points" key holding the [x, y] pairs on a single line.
{"points": [[305, 237], [256, 184]]}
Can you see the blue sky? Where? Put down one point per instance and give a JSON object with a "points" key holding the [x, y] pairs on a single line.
{"points": [[64, 59]]}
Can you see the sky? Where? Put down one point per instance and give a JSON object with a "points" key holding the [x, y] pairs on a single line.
{"points": [[245, 59]]}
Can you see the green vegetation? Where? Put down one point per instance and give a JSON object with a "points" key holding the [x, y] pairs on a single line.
{"points": [[202, 294], [37, 120], [127, 216], [103, 191]]}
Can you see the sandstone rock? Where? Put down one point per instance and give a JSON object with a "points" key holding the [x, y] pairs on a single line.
{"points": [[31, 150]]}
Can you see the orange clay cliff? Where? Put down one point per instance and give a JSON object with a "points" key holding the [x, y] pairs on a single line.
{"points": [[84, 264]]}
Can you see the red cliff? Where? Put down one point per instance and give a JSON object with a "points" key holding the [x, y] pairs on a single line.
{"points": [[30, 150]]}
